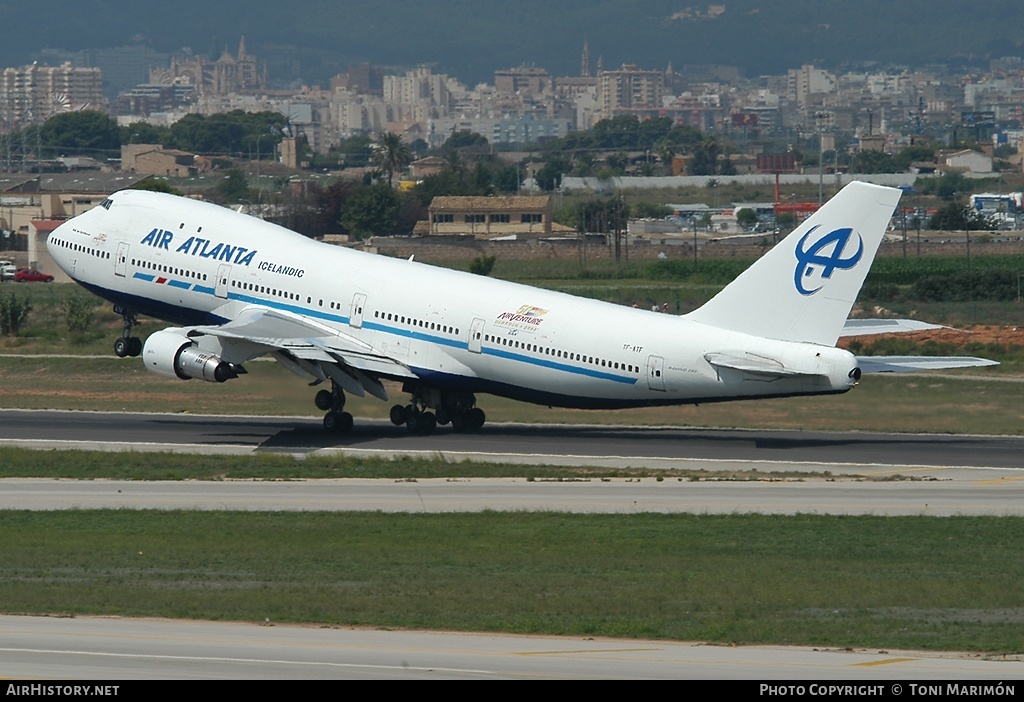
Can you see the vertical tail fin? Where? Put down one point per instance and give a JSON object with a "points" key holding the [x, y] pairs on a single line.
{"points": [[803, 289]]}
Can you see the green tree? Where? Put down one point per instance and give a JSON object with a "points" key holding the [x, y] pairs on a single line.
{"points": [[87, 132], [506, 179], [239, 133], [617, 162], [78, 311], [955, 217], [145, 133], [391, 155], [482, 265], [356, 151], [371, 210], [465, 139], [606, 214], [156, 185], [233, 187], [14, 309], [746, 217], [875, 162], [705, 158], [666, 151], [549, 176], [650, 210]]}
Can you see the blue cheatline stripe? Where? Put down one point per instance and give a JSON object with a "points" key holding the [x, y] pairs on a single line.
{"points": [[420, 336], [407, 333]]}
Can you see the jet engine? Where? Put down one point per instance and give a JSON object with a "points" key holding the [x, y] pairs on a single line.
{"points": [[173, 355]]}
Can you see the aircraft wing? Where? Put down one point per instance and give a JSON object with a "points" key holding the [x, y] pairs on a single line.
{"points": [[902, 364], [864, 327], [305, 346]]}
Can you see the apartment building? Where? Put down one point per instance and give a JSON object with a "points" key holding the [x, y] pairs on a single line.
{"points": [[32, 94], [628, 89]]}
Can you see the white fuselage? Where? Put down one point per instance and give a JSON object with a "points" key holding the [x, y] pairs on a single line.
{"points": [[194, 263]]}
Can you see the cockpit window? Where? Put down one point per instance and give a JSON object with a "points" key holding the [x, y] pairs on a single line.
{"points": [[106, 203]]}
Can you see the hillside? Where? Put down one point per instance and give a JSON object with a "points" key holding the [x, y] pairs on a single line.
{"points": [[312, 40]]}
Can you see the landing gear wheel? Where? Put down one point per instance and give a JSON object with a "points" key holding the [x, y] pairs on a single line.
{"points": [[422, 423], [134, 346], [398, 415], [338, 422], [323, 400], [121, 348], [473, 419]]}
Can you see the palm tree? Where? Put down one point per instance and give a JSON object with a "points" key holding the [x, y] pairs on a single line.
{"points": [[666, 152], [391, 155]]}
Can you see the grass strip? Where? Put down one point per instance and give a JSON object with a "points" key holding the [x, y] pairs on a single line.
{"points": [[128, 465], [908, 582]]}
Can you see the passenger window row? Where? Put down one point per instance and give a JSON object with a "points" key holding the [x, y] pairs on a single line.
{"points": [[422, 324], [266, 290], [169, 270], [559, 353], [89, 251]]}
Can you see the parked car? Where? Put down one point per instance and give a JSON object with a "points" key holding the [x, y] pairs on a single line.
{"points": [[28, 275], [7, 270]]}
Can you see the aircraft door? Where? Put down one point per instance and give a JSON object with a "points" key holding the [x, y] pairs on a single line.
{"points": [[223, 276], [476, 335], [355, 314], [656, 373], [121, 259]]}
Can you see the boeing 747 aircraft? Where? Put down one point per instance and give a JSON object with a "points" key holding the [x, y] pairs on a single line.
{"points": [[241, 288]]}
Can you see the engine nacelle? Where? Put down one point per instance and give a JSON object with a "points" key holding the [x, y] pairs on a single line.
{"points": [[174, 355]]}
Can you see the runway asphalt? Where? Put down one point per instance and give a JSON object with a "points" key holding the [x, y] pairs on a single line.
{"points": [[532, 443]]}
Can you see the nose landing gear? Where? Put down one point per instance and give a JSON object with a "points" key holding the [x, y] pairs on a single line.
{"points": [[127, 345]]}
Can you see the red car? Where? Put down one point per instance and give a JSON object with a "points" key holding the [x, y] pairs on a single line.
{"points": [[27, 275]]}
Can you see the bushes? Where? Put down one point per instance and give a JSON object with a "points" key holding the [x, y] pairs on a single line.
{"points": [[14, 309], [993, 284], [78, 311], [482, 265]]}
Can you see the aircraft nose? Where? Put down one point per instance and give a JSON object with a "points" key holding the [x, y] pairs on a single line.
{"points": [[57, 243]]}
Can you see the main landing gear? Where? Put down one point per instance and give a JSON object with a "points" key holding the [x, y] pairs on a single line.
{"points": [[127, 345], [332, 401], [457, 409], [427, 408]]}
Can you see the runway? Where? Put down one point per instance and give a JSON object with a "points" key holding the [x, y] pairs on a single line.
{"points": [[617, 446], [828, 473]]}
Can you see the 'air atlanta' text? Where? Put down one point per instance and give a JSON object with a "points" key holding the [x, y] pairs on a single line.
{"points": [[204, 248]]}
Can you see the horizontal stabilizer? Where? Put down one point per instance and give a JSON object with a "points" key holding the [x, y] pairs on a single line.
{"points": [[903, 364], [865, 327]]}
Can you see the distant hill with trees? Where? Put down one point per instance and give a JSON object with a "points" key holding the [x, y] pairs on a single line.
{"points": [[312, 40]]}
